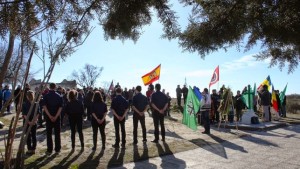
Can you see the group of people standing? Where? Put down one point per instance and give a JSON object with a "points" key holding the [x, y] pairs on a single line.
{"points": [[181, 91], [56, 104], [209, 112]]}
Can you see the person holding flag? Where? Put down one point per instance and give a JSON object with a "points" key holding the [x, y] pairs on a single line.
{"points": [[191, 108], [205, 109], [282, 97], [265, 102]]}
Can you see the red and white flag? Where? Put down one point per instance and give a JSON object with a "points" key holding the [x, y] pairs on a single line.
{"points": [[215, 77]]}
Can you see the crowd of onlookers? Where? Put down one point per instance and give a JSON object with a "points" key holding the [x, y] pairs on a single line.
{"points": [[262, 103], [55, 104]]}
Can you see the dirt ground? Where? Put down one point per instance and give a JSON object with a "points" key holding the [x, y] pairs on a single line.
{"points": [[178, 138]]}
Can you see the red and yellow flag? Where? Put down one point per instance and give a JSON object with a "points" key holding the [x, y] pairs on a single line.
{"points": [[274, 100], [151, 76]]}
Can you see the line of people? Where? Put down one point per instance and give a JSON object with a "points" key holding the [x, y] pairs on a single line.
{"points": [[52, 105]]}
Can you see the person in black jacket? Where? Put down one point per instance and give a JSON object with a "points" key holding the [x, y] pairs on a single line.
{"points": [[139, 106], [178, 95], [265, 98], [159, 103], [184, 91], [88, 101], [32, 120], [75, 111], [239, 105], [119, 107], [52, 105], [99, 111]]}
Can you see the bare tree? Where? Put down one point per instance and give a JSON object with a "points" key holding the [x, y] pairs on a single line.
{"points": [[13, 66], [87, 76]]}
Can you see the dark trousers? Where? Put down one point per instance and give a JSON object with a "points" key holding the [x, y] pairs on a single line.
{"points": [[101, 127], [49, 127], [31, 138], [217, 115], [16, 106], [184, 99], [8, 106], [117, 125], [40, 119], [136, 119], [158, 119], [238, 114], [1, 104], [205, 115], [179, 101], [76, 122]]}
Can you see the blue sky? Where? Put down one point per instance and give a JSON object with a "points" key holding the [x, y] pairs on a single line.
{"points": [[126, 62]]}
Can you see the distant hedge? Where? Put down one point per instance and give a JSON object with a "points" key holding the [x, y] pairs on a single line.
{"points": [[293, 103]]}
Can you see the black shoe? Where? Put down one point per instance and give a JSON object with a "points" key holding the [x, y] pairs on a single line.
{"points": [[115, 146], [204, 132], [154, 141]]}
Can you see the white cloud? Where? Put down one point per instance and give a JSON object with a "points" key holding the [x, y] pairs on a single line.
{"points": [[243, 62]]}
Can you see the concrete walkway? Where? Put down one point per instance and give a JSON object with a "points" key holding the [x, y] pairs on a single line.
{"points": [[279, 148]]}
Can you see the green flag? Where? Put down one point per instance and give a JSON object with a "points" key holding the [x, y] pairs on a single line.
{"points": [[190, 110], [282, 94], [248, 97]]}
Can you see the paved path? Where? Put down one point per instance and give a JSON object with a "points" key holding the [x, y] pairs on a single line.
{"points": [[279, 148]]}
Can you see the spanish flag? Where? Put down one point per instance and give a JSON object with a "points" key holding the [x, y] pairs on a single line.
{"points": [[151, 76], [267, 82]]}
